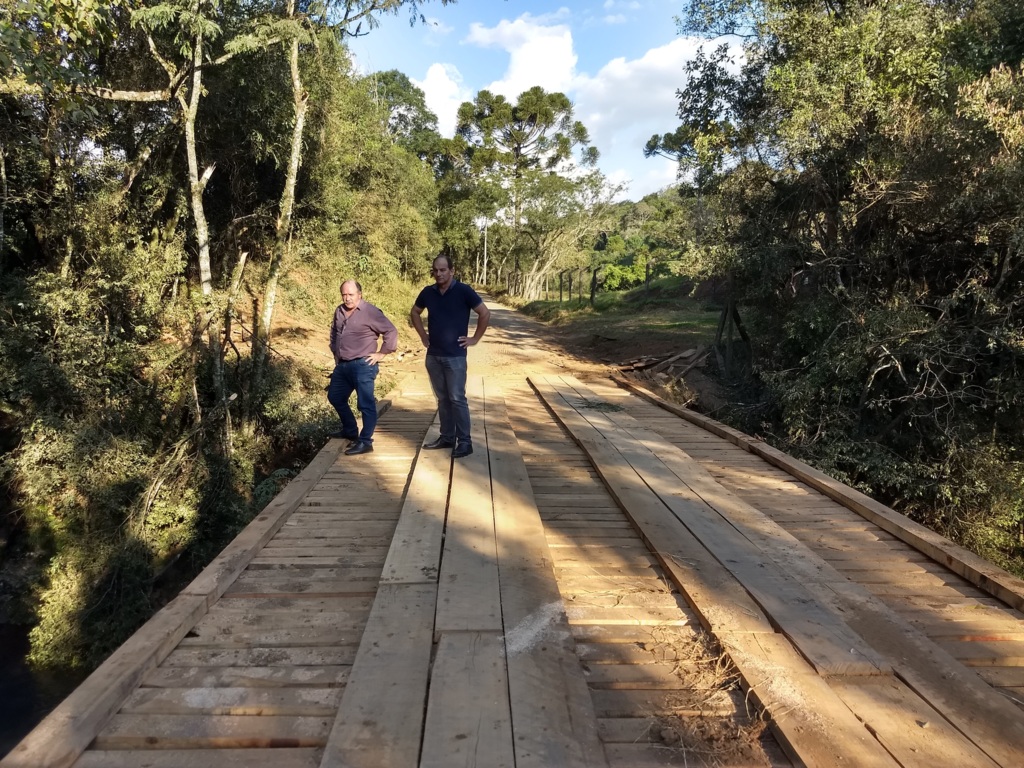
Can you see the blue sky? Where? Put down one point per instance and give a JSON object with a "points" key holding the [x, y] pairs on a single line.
{"points": [[619, 61]]}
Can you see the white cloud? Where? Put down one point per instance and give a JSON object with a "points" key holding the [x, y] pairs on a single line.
{"points": [[436, 31], [540, 52], [623, 104], [617, 18], [444, 91], [626, 103]]}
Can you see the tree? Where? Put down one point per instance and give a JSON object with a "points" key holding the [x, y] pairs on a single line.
{"points": [[868, 210], [409, 120], [520, 149]]}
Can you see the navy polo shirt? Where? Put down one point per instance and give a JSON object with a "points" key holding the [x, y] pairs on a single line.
{"points": [[447, 317]]}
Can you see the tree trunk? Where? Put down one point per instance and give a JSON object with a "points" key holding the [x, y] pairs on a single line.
{"points": [[197, 184], [300, 100], [3, 201]]}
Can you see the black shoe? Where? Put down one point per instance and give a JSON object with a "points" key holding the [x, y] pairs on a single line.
{"points": [[441, 442], [339, 435], [359, 447], [462, 449]]}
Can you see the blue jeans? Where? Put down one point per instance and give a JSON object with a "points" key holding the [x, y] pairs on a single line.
{"points": [[354, 376], [448, 380]]}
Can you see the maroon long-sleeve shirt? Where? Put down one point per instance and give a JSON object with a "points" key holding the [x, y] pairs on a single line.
{"points": [[356, 336]]}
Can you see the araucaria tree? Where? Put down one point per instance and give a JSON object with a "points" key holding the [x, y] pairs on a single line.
{"points": [[518, 148]]}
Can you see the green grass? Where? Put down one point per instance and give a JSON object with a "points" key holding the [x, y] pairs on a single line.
{"points": [[664, 315]]}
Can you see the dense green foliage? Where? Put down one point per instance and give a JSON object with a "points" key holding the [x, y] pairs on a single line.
{"points": [[140, 235], [171, 172], [865, 165]]}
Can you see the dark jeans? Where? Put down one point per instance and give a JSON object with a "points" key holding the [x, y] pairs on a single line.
{"points": [[448, 380], [354, 376]]}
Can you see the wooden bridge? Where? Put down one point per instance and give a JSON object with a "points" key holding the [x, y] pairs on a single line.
{"points": [[606, 581]]}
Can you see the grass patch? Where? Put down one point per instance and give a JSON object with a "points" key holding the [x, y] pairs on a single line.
{"points": [[663, 318]]}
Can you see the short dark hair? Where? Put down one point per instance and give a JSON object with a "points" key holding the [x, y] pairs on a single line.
{"points": [[447, 259], [356, 282]]}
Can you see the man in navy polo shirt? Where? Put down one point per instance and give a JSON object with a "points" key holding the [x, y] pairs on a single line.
{"points": [[357, 326], [448, 303]]}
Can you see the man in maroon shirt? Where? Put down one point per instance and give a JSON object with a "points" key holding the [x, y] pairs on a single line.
{"points": [[357, 326]]}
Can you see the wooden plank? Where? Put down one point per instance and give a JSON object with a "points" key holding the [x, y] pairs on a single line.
{"points": [[812, 724], [262, 656], [310, 702], [637, 615], [685, 702], [469, 722], [415, 554], [322, 676], [324, 635], [380, 719], [634, 676], [203, 732], [989, 720], [595, 651], [914, 733], [201, 758], [715, 594], [549, 701], [697, 501], [978, 571], [468, 593]]}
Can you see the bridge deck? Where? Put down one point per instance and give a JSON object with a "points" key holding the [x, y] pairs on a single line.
{"points": [[560, 598]]}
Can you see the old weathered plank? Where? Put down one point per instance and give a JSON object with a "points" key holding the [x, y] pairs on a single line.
{"points": [[978, 571], [201, 758], [205, 732], [252, 676]]}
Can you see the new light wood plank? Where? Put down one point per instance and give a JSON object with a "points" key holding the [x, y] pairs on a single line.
{"points": [[468, 593], [990, 721], [380, 720], [469, 722], [550, 705], [415, 554], [980, 572], [914, 733], [812, 723]]}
